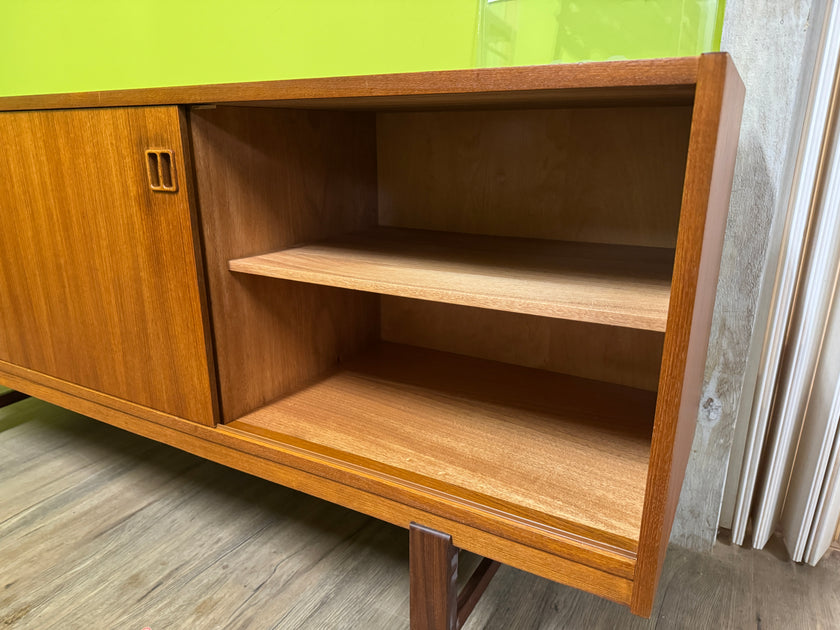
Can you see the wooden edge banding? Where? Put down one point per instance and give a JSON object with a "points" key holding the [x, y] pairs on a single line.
{"points": [[217, 445], [30, 379], [589, 538], [578, 549], [654, 73], [708, 184], [573, 546], [187, 153], [475, 587]]}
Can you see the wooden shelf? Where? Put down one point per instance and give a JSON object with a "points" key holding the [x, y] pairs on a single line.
{"points": [[604, 284], [567, 452]]}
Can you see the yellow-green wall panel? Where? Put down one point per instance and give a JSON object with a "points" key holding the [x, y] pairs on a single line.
{"points": [[51, 46]]}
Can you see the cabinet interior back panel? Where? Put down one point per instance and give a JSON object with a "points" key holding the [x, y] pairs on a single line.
{"points": [[603, 175], [624, 356]]}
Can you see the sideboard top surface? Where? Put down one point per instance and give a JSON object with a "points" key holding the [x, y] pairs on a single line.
{"points": [[650, 80]]}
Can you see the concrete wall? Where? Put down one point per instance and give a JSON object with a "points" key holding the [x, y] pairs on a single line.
{"points": [[772, 44]]}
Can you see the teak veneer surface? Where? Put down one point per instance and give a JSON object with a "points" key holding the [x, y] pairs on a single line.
{"points": [[620, 355], [554, 474], [98, 276], [585, 174], [566, 451], [271, 557], [648, 80], [605, 570], [620, 286], [268, 179], [708, 183]]}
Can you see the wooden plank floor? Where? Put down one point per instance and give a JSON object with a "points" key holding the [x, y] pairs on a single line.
{"points": [[102, 529]]}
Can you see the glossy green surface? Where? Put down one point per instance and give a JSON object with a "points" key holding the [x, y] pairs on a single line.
{"points": [[76, 45], [520, 32]]}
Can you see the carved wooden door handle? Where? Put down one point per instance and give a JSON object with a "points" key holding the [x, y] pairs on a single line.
{"points": [[160, 168]]}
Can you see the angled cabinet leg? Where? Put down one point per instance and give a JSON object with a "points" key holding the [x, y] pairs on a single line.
{"points": [[11, 397], [474, 588], [435, 603]]}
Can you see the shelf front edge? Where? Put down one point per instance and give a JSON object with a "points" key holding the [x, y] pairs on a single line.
{"points": [[453, 269], [574, 547]]}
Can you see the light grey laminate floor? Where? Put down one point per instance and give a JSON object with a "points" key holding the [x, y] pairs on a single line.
{"points": [[100, 529]]}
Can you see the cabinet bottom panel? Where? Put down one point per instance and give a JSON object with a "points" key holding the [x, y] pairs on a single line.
{"points": [[603, 571], [565, 452]]}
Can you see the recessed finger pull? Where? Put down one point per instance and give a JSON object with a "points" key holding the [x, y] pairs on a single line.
{"points": [[160, 167]]}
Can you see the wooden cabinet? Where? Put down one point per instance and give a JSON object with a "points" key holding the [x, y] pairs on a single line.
{"points": [[477, 301], [99, 274]]}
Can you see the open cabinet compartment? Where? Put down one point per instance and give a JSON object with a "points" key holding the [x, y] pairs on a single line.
{"points": [[463, 299]]}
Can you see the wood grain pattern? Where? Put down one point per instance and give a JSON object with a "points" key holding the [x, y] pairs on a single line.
{"points": [[99, 274], [709, 171], [520, 543], [198, 251], [549, 473], [277, 558], [417, 500], [268, 179], [558, 450], [433, 567], [598, 174], [624, 356], [645, 80], [78, 488], [49, 386], [619, 286]]}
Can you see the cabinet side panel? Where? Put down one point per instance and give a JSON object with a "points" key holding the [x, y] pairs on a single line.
{"points": [[601, 175], [268, 179], [99, 272], [708, 184]]}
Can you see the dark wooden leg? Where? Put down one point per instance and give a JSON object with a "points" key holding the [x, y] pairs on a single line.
{"points": [[474, 588], [433, 563], [11, 397], [433, 567]]}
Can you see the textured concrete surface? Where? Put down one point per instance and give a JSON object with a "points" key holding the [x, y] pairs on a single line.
{"points": [[769, 42]]}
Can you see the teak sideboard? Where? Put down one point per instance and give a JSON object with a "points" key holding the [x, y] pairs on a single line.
{"points": [[475, 303]]}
